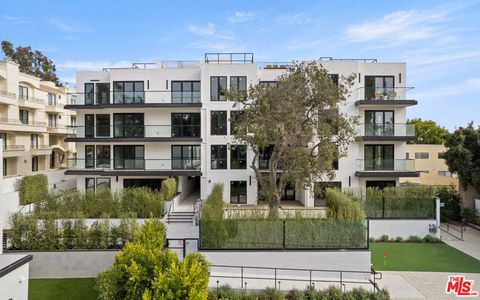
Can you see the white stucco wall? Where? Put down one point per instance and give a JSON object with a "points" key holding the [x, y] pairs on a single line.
{"points": [[14, 285], [401, 228]]}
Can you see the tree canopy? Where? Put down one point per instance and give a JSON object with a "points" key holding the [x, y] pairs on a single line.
{"points": [[428, 132], [32, 62], [299, 120], [463, 155]]}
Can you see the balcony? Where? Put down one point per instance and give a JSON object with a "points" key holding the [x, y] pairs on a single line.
{"points": [[30, 102], [13, 150], [17, 125], [59, 129], [229, 58], [136, 99], [133, 133], [41, 150], [384, 96], [131, 167], [386, 132], [386, 168], [54, 107], [8, 98]]}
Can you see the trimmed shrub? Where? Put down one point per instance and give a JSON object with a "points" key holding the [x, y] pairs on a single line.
{"points": [[431, 239], [80, 234], [341, 207], [67, 234], [143, 201], [32, 188], [452, 200], [414, 239], [212, 208], [49, 238], [169, 188], [470, 214]]}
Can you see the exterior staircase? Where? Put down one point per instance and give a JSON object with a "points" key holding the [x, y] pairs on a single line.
{"points": [[180, 217]]}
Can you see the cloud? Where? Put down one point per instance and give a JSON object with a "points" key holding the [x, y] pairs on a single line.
{"points": [[241, 16], [208, 30], [68, 27], [466, 87], [94, 65], [217, 46], [294, 19], [14, 20]]}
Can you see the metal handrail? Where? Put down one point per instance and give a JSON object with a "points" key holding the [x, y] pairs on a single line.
{"points": [[452, 227]]}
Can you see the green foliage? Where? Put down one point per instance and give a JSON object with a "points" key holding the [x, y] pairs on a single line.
{"points": [[49, 235], [142, 201], [451, 198], [32, 188], [414, 239], [31, 62], [470, 214], [169, 188], [143, 270], [68, 235], [212, 207], [341, 207], [428, 132], [463, 155]]}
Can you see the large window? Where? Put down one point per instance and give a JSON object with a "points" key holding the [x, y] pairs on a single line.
{"points": [[22, 92], [129, 157], [34, 141], [185, 91], [128, 92], [380, 87], [185, 125], [379, 157], [89, 156], [103, 93], [34, 163], [128, 125], [264, 156], [23, 115], [103, 183], [90, 184], [238, 84], [218, 87], [185, 157], [234, 115], [238, 192], [52, 120], [218, 159], [103, 125], [52, 99], [379, 123], [89, 93], [89, 125], [238, 157], [218, 122], [103, 156]]}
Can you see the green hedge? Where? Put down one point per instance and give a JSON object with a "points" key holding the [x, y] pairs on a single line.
{"points": [[30, 233], [212, 207], [341, 207], [32, 188]]}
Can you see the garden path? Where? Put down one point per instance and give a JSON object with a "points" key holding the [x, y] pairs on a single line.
{"points": [[470, 244]]}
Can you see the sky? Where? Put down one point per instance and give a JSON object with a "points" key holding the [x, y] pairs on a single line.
{"points": [[439, 40]]}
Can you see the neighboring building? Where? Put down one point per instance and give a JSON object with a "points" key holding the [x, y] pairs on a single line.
{"points": [[431, 165], [33, 123], [136, 126]]}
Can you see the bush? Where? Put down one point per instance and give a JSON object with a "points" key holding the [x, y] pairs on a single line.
{"points": [[399, 239], [212, 208], [169, 189], [452, 200], [383, 238], [470, 214], [431, 239], [341, 207], [414, 239], [143, 201], [32, 188]]}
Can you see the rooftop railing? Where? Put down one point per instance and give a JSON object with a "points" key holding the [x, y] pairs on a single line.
{"points": [[229, 58]]}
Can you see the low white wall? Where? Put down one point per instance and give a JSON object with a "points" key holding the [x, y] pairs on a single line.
{"points": [[403, 228], [14, 285]]}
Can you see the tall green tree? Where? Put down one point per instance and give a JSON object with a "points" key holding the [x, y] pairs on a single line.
{"points": [[32, 62], [463, 155], [301, 116], [428, 132]]}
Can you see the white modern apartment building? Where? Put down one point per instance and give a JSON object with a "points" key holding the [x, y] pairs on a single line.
{"points": [[139, 125]]}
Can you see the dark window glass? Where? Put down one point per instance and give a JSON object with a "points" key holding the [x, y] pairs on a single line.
{"points": [[379, 123], [34, 163], [185, 125], [336, 157], [129, 157], [103, 125], [103, 93], [218, 122], [185, 91], [238, 157], [380, 184], [22, 92], [89, 93], [151, 183], [379, 157], [90, 184], [34, 141], [334, 78], [103, 156], [128, 125], [264, 157], [52, 99], [238, 84], [89, 125], [268, 84], [185, 157], [218, 87], [23, 115], [238, 192], [89, 156], [128, 92], [5, 170], [234, 115], [3, 137], [422, 155], [380, 87], [288, 192], [218, 159], [52, 120], [103, 183]]}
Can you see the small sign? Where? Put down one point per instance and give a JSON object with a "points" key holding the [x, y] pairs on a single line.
{"points": [[442, 204]]}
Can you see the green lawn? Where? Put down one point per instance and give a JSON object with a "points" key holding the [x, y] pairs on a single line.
{"points": [[426, 257], [53, 289]]}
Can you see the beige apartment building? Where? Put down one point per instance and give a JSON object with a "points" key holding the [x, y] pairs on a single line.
{"points": [[33, 123], [432, 167]]}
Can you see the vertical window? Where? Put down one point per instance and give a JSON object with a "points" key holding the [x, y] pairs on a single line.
{"points": [[128, 92], [52, 120], [52, 99], [129, 157], [103, 183], [238, 192], [218, 87], [334, 78], [3, 137], [264, 157], [89, 93], [218, 122], [23, 115], [89, 156], [90, 184], [380, 87], [103, 156], [34, 163], [218, 157], [22, 92], [73, 121], [185, 125], [379, 123], [52, 160], [238, 84], [234, 115], [4, 167], [103, 93], [103, 125], [238, 157], [34, 141], [129, 125], [379, 157], [185, 157], [89, 125], [185, 91]]}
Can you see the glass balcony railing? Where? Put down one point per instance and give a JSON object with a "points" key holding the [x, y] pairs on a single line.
{"points": [[383, 93], [140, 97], [134, 164], [371, 130], [135, 131], [385, 165]]}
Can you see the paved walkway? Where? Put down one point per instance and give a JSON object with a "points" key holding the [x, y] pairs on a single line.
{"points": [[186, 205], [470, 244]]}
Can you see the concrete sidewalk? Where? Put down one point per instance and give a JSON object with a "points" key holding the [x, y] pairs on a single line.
{"points": [[470, 244]]}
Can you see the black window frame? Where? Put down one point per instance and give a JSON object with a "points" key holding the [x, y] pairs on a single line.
{"points": [[233, 115], [102, 156], [98, 183], [34, 163], [218, 126], [334, 78], [24, 116], [102, 93], [235, 83], [102, 125], [238, 157], [386, 163], [186, 130], [195, 94], [217, 88], [23, 92], [379, 129], [5, 167], [89, 93], [88, 185], [385, 91], [185, 161], [137, 96], [268, 84], [89, 156], [122, 127], [237, 186], [89, 125], [138, 162], [218, 157]]}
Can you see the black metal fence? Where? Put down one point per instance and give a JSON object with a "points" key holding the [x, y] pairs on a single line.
{"points": [[384, 208]]}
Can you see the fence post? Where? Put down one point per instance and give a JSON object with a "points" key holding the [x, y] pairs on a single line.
{"points": [[368, 234], [241, 277], [341, 279], [310, 277], [383, 206], [284, 235], [275, 278]]}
